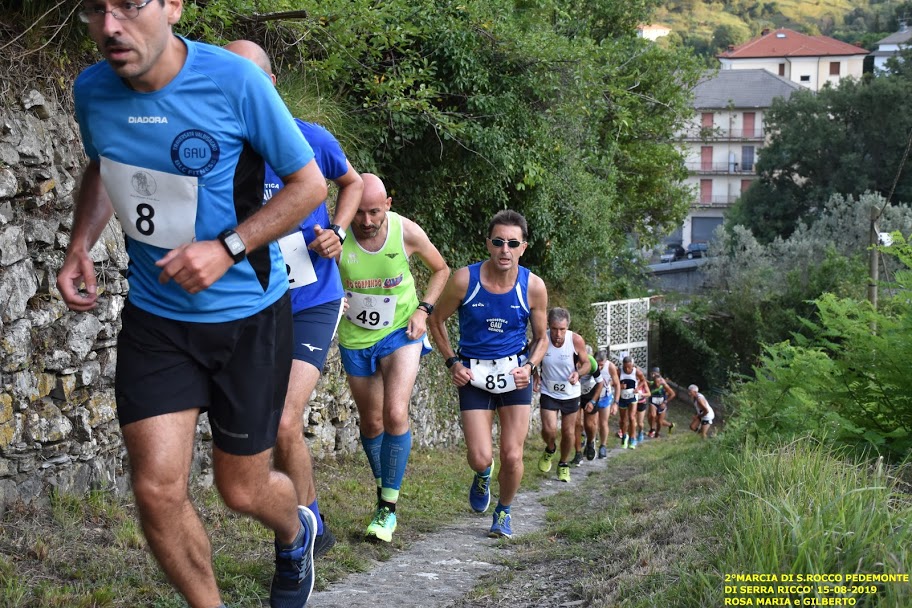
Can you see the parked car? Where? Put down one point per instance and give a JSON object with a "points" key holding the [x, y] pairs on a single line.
{"points": [[697, 250], [673, 251]]}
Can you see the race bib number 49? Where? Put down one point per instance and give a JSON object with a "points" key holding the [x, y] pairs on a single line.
{"points": [[370, 311], [154, 207]]}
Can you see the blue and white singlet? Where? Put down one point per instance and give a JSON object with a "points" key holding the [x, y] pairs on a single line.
{"points": [[492, 325]]}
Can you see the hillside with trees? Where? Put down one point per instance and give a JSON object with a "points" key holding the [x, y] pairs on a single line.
{"points": [[709, 27]]}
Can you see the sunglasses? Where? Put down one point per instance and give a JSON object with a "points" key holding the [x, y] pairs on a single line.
{"points": [[499, 242]]}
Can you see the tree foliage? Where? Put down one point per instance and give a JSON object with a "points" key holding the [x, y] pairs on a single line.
{"points": [[838, 380], [555, 109], [760, 292], [845, 140]]}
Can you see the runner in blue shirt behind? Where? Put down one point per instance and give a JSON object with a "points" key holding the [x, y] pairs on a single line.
{"points": [[316, 295]]}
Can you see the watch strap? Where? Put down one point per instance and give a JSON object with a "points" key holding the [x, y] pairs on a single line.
{"points": [[340, 232], [451, 361], [426, 307], [223, 238]]}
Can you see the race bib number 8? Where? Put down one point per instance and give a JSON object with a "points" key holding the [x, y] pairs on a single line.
{"points": [[154, 207], [494, 376], [370, 311], [297, 260]]}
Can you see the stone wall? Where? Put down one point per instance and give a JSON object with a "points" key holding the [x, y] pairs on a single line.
{"points": [[58, 428]]}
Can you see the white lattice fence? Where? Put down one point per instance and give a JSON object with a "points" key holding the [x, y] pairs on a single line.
{"points": [[623, 326]]}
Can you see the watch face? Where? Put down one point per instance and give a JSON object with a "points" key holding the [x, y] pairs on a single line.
{"points": [[235, 244]]}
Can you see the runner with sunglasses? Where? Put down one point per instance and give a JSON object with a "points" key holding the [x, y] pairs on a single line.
{"points": [[493, 369]]}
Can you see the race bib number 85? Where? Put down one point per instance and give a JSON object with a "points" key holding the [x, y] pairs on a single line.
{"points": [[494, 376]]}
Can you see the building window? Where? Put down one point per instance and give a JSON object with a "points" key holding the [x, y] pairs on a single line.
{"points": [[706, 191], [747, 158], [782, 69], [706, 120], [834, 68], [706, 158], [805, 78]]}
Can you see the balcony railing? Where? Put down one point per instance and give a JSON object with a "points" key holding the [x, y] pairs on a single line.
{"points": [[720, 200], [721, 168], [718, 133]]}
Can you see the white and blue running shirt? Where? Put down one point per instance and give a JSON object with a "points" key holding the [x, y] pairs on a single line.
{"points": [[185, 163]]}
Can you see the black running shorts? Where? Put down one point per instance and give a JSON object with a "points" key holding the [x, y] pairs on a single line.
{"points": [[564, 406], [236, 370]]}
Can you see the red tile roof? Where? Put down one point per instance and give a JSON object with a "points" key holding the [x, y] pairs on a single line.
{"points": [[789, 43]]}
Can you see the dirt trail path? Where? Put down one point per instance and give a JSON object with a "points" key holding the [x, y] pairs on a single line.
{"points": [[443, 566]]}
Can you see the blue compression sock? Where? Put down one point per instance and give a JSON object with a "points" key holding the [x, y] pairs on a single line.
{"points": [[316, 511], [372, 446], [394, 456]]}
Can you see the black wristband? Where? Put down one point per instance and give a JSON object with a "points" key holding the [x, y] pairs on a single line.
{"points": [[451, 361], [426, 307]]}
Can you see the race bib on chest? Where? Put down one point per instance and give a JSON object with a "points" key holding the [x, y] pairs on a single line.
{"points": [[494, 375], [297, 260], [370, 311], [587, 384], [628, 393], [658, 400], [153, 207]]}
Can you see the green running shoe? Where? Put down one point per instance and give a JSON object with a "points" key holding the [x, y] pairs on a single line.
{"points": [[382, 526], [544, 462], [563, 472]]}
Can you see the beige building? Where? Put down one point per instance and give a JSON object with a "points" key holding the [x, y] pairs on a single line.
{"points": [[810, 61], [723, 141], [652, 31]]}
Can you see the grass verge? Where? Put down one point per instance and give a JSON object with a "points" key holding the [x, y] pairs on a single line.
{"points": [[89, 552]]}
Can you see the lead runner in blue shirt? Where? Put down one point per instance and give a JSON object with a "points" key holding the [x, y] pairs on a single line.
{"points": [[497, 300], [177, 133]]}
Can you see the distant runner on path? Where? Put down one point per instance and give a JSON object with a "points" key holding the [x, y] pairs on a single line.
{"points": [[559, 383]]}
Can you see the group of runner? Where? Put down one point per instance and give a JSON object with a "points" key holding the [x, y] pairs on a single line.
{"points": [[234, 302]]}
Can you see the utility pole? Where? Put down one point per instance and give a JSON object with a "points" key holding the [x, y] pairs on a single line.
{"points": [[873, 265]]}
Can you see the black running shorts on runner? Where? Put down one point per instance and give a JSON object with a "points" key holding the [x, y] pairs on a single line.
{"points": [[584, 399], [237, 370], [474, 398], [564, 406]]}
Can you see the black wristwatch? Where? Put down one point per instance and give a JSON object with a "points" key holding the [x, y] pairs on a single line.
{"points": [[340, 232], [451, 362], [233, 243], [426, 307], [534, 367]]}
